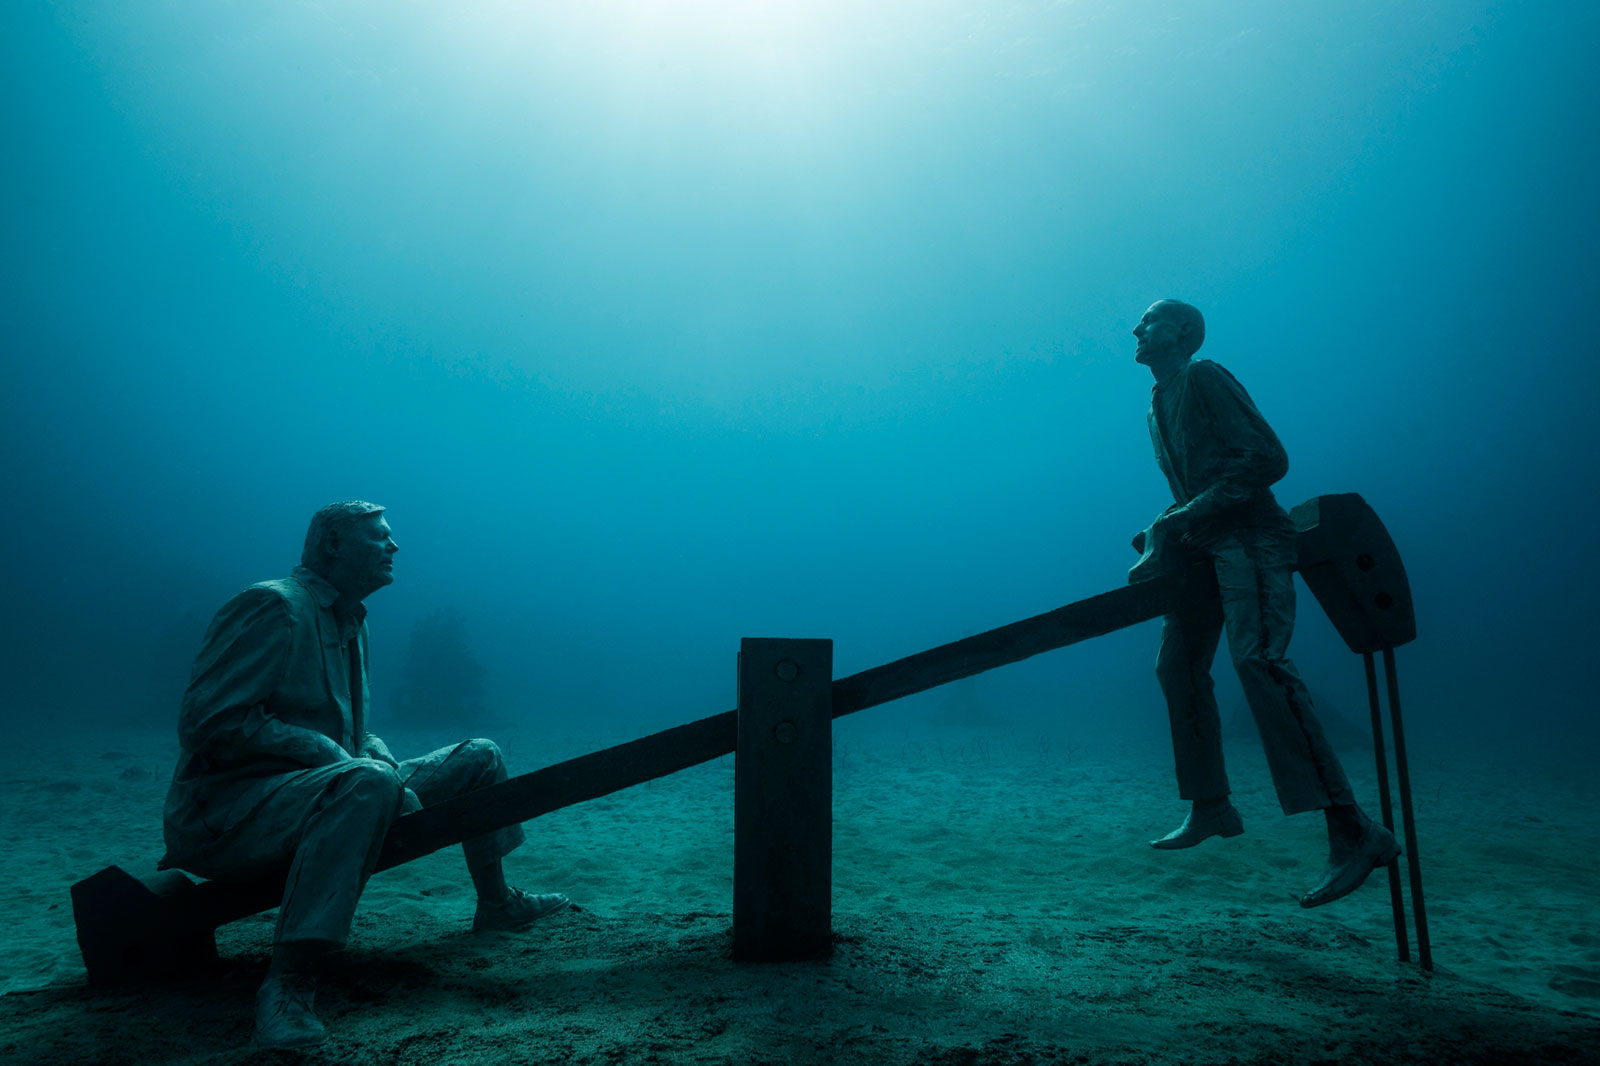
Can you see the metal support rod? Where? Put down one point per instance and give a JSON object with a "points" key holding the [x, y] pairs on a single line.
{"points": [[1413, 859], [1386, 806]]}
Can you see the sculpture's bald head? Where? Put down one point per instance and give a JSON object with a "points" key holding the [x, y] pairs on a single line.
{"points": [[1170, 331]]}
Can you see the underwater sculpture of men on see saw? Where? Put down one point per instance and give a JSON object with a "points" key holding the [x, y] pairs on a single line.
{"points": [[278, 771], [1237, 546]]}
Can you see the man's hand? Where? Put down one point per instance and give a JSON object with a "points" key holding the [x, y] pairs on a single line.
{"points": [[1159, 546], [1176, 523], [373, 747]]}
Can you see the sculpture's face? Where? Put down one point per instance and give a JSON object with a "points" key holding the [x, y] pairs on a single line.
{"points": [[1160, 332], [365, 559]]}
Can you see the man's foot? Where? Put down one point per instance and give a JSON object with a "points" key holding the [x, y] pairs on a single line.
{"points": [[518, 909], [1204, 820], [1377, 847], [284, 1018]]}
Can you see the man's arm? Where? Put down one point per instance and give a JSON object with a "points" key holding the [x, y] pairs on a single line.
{"points": [[256, 736], [244, 658], [1252, 456]]}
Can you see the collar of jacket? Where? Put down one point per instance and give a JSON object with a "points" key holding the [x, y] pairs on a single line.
{"points": [[324, 593]]}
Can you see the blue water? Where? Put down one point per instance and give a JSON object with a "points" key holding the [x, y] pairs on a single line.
{"points": [[656, 325]]}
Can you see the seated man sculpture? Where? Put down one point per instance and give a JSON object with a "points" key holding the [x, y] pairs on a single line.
{"points": [[1238, 548], [277, 771]]}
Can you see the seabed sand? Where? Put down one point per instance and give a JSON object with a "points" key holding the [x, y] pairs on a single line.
{"points": [[995, 902]]}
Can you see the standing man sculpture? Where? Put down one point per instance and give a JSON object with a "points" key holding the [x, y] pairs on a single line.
{"points": [[1238, 545], [277, 770]]}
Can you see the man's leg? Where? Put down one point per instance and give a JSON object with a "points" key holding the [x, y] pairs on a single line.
{"points": [[1254, 572], [341, 835], [1183, 666], [327, 826], [1256, 580], [338, 850], [466, 767]]}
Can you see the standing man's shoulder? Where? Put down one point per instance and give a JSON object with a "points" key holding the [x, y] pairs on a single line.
{"points": [[1208, 369], [1213, 377]]}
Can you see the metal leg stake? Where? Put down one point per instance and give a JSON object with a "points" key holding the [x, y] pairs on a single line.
{"points": [[1413, 860], [1386, 806]]}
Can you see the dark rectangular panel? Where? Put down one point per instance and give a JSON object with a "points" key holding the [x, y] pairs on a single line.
{"points": [[783, 801]]}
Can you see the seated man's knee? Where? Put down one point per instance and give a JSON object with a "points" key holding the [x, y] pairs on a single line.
{"points": [[483, 750], [370, 779], [486, 757]]}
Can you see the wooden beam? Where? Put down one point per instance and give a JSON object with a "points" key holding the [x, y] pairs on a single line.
{"points": [[576, 780], [591, 776], [1093, 617]]}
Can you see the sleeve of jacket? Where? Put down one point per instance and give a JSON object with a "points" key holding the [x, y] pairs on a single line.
{"points": [[1252, 458], [244, 658]]}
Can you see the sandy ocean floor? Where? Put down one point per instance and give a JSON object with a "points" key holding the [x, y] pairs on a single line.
{"points": [[995, 902]]}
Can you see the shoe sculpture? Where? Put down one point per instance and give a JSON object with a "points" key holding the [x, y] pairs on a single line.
{"points": [[1345, 874], [1221, 820], [518, 909], [284, 1015]]}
